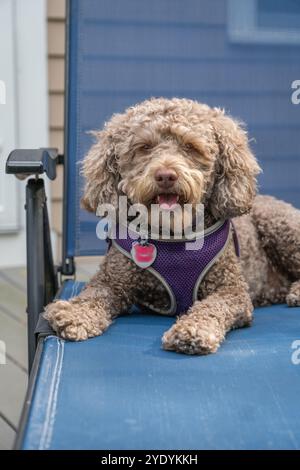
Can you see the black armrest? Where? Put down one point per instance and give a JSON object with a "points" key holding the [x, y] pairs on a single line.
{"points": [[29, 162]]}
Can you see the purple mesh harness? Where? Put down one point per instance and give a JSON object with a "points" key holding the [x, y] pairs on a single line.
{"points": [[180, 270]]}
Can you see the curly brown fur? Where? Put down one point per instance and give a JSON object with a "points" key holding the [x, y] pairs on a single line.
{"points": [[209, 153]]}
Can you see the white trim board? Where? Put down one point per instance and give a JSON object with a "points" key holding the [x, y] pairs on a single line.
{"points": [[243, 29], [30, 105], [9, 210]]}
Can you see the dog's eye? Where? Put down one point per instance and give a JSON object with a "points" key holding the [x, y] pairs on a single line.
{"points": [[147, 147], [189, 147]]}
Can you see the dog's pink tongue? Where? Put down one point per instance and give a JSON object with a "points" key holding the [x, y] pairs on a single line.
{"points": [[167, 201]]}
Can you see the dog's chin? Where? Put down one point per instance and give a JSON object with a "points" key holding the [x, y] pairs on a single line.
{"points": [[172, 204]]}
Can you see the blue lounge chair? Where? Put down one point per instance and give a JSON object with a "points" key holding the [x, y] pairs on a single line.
{"points": [[121, 390]]}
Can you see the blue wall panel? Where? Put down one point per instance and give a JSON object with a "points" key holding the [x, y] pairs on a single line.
{"points": [[123, 52]]}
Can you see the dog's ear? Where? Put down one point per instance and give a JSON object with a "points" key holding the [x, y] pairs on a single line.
{"points": [[100, 170], [236, 169]]}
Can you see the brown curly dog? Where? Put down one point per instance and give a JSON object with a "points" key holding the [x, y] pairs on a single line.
{"points": [[184, 148]]}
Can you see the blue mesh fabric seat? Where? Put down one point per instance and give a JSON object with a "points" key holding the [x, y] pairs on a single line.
{"points": [[121, 390]]}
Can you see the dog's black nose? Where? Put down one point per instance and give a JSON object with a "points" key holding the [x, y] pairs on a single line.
{"points": [[165, 177]]}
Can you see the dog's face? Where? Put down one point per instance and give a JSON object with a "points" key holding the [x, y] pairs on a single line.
{"points": [[172, 152], [166, 163]]}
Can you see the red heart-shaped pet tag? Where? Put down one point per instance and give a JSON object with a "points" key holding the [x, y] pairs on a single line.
{"points": [[143, 254]]}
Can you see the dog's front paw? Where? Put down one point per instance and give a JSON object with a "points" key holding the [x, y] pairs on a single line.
{"points": [[76, 320], [293, 297], [192, 339]]}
